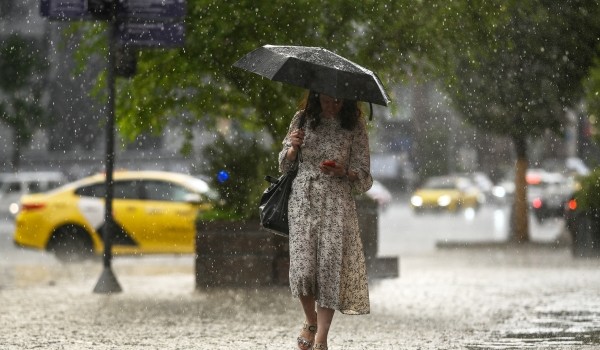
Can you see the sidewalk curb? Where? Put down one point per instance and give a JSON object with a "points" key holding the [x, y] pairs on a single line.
{"points": [[488, 245]]}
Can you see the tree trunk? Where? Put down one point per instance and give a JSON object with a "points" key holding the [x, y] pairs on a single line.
{"points": [[520, 213]]}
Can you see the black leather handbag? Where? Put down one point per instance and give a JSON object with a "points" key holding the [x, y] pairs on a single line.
{"points": [[273, 206]]}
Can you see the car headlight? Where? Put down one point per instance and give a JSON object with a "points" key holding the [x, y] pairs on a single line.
{"points": [[417, 201], [444, 200], [13, 208], [499, 191]]}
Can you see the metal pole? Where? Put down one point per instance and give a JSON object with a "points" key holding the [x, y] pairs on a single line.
{"points": [[108, 282]]}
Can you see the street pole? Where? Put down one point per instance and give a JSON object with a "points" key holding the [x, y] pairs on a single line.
{"points": [[108, 283], [170, 34]]}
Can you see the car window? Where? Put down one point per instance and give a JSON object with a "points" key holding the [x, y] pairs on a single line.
{"points": [[14, 187], [96, 190], [164, 191], [52, 184], [34, 186], [126, 190], [440, 183], [121, 190]]}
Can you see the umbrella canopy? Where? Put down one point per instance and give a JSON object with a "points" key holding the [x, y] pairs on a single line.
{"points": [[317, 69]]}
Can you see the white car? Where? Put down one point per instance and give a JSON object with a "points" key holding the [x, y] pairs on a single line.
{"points": [[15, 185], [380, 194]]}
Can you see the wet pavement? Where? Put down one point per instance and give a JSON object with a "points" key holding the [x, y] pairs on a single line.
{"points": [[527, 297]]}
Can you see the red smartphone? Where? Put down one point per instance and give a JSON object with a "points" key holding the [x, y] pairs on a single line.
{"points": [[329, 163]]}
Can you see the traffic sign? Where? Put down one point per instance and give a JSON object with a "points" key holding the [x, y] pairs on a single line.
{"points": [[151, 34], [157, 10], [64, 10], [151, 9]]}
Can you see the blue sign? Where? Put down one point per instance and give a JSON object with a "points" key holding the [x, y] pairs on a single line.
{"points": [[64, 10], [151, 9], [151, 34], [222, 176]]}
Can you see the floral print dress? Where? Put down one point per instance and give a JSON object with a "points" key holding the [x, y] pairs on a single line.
{"points": [[326, 254]]}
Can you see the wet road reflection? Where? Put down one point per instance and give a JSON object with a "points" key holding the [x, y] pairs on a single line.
{"points": [[403, 232], [556, 325]]}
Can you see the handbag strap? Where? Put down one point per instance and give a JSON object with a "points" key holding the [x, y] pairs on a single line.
{"points": [[298, 158], [300, 126]]}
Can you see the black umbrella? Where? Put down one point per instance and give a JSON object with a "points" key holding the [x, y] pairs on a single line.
{"points": [[317, 69]]}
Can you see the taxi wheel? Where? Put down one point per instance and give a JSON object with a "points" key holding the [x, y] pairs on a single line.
{"points": [[71, 243]]}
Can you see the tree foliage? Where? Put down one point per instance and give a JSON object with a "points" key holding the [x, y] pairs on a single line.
{"points": [[243, 187], [516, 73], [199, 79], [198, 83], [514, 68], [509, 67], [592, 91]]}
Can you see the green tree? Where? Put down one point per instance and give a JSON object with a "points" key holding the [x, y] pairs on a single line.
{"points": [[199, 79], [198, 82], [521, 82], [22, 68], [511, 68]]}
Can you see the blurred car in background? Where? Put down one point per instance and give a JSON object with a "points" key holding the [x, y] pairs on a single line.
{"points": [[547, 192], [504, 191], [393, 170], [379, 193], [154, 212], [446, 193], [482, 181], [548, 196], [15, 185]]}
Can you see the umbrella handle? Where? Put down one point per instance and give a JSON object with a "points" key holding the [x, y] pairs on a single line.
{"points": [[371, 113]]}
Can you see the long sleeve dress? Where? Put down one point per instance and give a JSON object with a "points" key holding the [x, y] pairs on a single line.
{"points": [[326, 254]]}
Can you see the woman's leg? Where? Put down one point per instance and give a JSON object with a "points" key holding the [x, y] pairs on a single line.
{"points": [[308, 305], [307, 336], [324, 318]]}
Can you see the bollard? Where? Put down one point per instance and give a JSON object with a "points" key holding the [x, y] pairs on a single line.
{"points": [[586, 234], [368, 220]]}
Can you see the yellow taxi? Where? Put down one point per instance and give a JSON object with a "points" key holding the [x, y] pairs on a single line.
{"points": [[446, 193], [154, 212]]}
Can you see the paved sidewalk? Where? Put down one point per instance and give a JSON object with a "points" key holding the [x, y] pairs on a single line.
{"points": [[485, 298]]}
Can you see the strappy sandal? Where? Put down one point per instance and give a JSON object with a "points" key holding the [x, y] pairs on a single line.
{"points": [[306, 344], [320, 346]]}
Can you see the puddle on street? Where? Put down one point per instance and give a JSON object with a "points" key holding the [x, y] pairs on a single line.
{"points": [[547, 330]]}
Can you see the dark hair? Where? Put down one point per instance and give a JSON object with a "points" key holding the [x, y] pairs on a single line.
{"points": [[311, 105]]}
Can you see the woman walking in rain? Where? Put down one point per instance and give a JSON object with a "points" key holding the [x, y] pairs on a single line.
{"points": [[327, 265]]}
